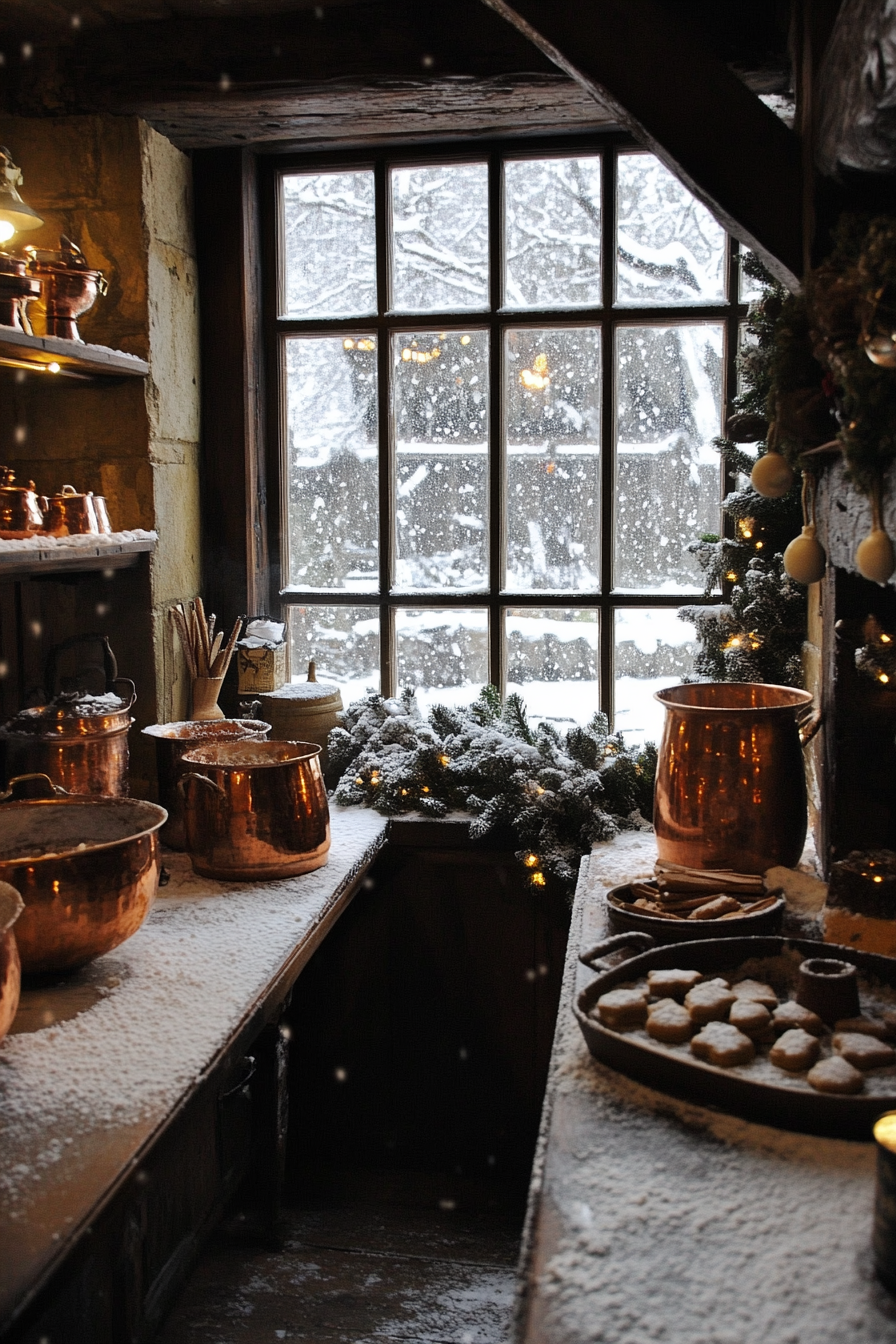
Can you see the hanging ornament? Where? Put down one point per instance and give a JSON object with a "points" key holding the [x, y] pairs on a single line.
{"points": [[772, 476], [875, 558], [804, 558]]}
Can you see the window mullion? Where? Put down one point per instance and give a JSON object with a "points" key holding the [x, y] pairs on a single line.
{"points": [[496, 511], [384, 427], [607, 445]]}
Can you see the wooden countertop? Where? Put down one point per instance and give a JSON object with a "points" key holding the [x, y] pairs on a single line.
{"points": [[653, 1219], [84, 1094]]}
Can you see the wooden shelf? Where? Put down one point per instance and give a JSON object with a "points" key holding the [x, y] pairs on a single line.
{"points": [[108, 552], [70, 359]]}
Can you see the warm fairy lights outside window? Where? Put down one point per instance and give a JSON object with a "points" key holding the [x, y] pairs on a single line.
{"points": [[500, 376]]}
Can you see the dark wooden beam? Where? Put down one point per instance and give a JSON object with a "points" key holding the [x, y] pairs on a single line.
{"points": [[683, 103]]}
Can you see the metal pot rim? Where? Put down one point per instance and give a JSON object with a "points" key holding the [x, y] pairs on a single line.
{"points": [[205, 729], [161, 816], [310, 750], [801, 699]]}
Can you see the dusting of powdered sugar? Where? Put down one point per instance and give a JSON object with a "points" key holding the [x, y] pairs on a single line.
{"points": [[652, 1219], [160, 1007]]}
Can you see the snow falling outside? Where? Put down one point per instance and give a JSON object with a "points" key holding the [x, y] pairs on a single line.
{"points": [[670, 250], [668, 394]]}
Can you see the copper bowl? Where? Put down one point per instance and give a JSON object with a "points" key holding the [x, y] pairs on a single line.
{"points": [[86, 868], [257, 811], [11, 907], [173, 741], [69, 291]]}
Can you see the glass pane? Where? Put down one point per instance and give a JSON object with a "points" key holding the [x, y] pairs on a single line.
{"points": [[329, 245], [669, 405], [442, 654], [553, 662], [653, 649], [344, 643], [552, 233], [440, 399], [552, 414], [669, 247], [440, 238], [747, 289], [331, 462]]}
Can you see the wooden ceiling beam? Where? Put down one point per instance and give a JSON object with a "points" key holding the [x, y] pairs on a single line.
{"points": [[684, 104]]}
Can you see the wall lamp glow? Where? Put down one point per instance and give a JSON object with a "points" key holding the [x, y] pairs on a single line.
{"points": [[15, 215]]}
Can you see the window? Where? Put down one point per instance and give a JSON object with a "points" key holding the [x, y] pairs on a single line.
{"points": [[498, 374]]}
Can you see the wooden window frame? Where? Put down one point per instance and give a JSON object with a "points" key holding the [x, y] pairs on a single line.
{"points": [[608, 317]]}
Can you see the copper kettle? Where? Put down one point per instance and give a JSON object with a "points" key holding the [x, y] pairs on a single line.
{"points": [[19, 507]]}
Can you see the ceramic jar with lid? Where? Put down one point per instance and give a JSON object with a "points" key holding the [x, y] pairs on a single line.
{"points": [[303, 711], [80, 741]]}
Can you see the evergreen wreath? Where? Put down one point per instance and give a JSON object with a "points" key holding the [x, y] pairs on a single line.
{"points": [[559, 794]]}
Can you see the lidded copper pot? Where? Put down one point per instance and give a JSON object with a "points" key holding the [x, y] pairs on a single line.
{"points": [[255, 810], [20, 509], [80, 741], [730, 783]]}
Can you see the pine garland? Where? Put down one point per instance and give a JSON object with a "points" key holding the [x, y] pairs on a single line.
{"points": [[558, 794]]}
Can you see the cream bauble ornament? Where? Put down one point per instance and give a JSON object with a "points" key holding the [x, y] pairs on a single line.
{"points": [[875, 558], [772, 476], [804, 559]]}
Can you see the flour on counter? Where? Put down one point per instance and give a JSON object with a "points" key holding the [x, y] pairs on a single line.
{"points": [[184, 982]]}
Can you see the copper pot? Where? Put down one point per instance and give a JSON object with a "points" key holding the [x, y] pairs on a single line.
{"points": [[70, 514], [259, 809], [70, 287], [86, 868], [730, 786], [173, 741], [19, 507], [11, 906], [80, 741]]}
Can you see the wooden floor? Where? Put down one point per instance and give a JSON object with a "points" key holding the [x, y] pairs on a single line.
{"points": [[366, 1259]]}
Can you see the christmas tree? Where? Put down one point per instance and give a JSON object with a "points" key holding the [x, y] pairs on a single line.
{"points": [[559, 794], [757, 635]]}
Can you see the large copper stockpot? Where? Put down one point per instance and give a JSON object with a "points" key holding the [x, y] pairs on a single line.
{"points": [[258, 810], [11, 907], [79, 740], [173, 741], [86, 868], [730, 785]]}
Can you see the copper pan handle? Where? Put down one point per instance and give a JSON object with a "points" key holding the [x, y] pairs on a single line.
{"points": [[132, 692], [200, 779], [51, 790], [808, 727], [593, 958]]}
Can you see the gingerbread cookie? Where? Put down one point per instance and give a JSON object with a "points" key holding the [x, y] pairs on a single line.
{"points": [[794, 1051], [709, 1001], [864, 1052], [755, 992], [672, 984], [792, 1014], [623, 1008], [865, 1026], [668, 1021], [752, 1018], [835, 1075], [720, 1043]]}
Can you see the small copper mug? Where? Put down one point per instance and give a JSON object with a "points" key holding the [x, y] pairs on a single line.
{"points": [[19, 507], [70, 514], [258, 811], [730, 784]]}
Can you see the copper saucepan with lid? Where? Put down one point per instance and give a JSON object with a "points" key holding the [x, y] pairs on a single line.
{"points": [[255, 810], [86, 868]]}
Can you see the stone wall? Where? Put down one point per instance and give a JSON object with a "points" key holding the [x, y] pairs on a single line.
{"points": [[123, 193]]}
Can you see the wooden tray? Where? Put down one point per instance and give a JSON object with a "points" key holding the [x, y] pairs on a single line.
{"points": [[788, 1105], [622, 916]]}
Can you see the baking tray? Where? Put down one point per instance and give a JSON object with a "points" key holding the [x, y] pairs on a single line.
{"points": [[785, 1106], [685, 930]]}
